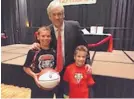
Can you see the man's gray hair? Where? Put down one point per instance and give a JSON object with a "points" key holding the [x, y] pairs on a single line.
{"points": [[54, 4]]}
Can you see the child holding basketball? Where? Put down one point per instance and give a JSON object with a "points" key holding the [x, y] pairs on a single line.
{"points": [[76, 77], [38, 60]]}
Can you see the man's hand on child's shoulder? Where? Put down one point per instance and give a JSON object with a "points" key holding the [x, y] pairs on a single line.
{"points": [[88, 68], [35, 46]]}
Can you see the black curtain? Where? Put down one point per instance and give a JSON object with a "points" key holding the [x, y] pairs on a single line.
{"points": [[91, 14], [87, 15], [8, 18], [14, 16], [21, 20], [122, 14], [115, 15]]}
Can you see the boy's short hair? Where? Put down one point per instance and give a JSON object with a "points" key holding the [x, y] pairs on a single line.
{"points": [[81, 48], [43, 28]]}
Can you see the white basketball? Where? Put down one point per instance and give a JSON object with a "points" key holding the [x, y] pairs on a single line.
{"points": [[49, 78]]}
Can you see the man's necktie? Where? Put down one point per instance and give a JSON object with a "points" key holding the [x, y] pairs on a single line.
{"points": [[59, 63]]}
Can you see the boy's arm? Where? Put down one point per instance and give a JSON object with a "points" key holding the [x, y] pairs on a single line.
{"points": [[32, 74], [28, 62], [29, 72], [27, 65], [66, 82]]}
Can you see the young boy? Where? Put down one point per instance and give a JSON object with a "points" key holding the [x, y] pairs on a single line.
{"points": [[76, 75], [38, 60]]}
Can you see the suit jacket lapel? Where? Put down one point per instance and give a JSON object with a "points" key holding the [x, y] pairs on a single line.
{"points": [[65, 36]]}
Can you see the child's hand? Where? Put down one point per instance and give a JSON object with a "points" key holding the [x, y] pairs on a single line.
{"points": [[37, 82], [89, 68], [36, 79]]}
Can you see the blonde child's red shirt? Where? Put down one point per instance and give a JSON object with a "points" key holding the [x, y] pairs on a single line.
{"points": [[79, 81]]}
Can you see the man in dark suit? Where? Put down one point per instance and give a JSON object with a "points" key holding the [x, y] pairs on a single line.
{"points": [[71, 38]]}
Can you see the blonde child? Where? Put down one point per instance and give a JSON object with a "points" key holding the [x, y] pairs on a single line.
{"points": [[76, 76]]}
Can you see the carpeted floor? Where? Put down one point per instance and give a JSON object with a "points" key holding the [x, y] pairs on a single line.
{"points": [[11, 91]]}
